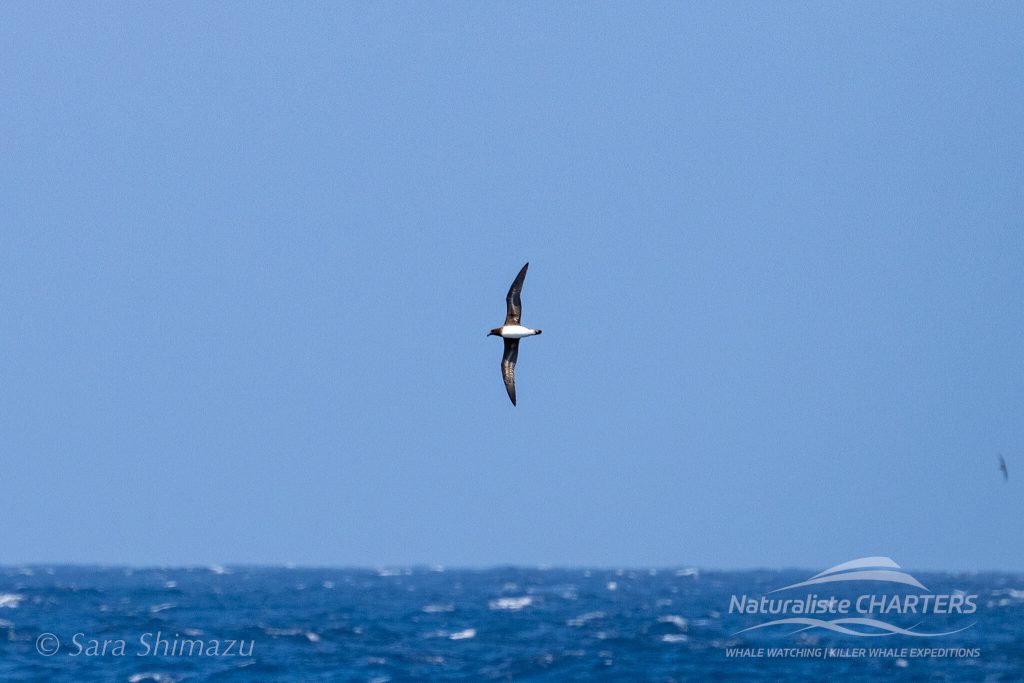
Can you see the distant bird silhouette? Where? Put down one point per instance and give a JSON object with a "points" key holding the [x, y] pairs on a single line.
{"points": [[1002, 468], [512, 332]]}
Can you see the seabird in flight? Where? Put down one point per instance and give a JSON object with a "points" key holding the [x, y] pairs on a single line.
{"points": [[512, 332], [1002, 468]]}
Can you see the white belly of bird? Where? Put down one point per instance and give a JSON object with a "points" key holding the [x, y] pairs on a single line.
{"points": [[516, 332]]}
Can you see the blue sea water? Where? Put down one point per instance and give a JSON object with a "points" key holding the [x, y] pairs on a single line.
{"points": [[70, 623]]}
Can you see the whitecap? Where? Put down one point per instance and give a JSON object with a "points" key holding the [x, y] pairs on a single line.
{"points": [[436, 634], [161, 607], [434, 609], [674, 619], [327, 584], [291, 632], [10, 600], [674, 638], [151, 676], [218, 569], [688, 571], [463, 635], [612, 585], [511, 604], [584, 618]]}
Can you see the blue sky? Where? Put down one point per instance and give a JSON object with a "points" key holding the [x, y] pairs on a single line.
{"points": [[250, 253]]}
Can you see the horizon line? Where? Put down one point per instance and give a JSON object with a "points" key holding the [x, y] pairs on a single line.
{"points": [[441, 568]]}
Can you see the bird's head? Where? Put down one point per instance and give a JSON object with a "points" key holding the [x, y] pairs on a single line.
{"points": [[495, 332]]}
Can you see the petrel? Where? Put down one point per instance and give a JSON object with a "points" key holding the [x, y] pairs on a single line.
{"points": [[512, 332], [1002, 468]]}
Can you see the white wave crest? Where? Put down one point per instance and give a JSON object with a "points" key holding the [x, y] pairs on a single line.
{"points": [[435, 609], [584, 618], [511, 604], [10, 600], [675, 619]]}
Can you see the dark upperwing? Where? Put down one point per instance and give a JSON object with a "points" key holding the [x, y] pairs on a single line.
{"points": [[508, 365], [515, 305]]}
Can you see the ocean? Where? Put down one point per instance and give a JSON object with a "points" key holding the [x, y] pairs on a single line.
{"points": [[80, 623]]}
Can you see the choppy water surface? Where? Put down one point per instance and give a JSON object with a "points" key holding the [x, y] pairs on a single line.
{"points": [[435, 624]]}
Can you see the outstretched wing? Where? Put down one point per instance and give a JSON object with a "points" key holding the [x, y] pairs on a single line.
{"points": [[508, 367], [515, 306], [1002, 468]]}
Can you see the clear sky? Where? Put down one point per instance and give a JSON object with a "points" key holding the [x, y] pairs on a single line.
{"points": [[249, 254]]}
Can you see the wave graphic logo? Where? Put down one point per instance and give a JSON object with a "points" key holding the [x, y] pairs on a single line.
{"points": [[838, 625], [864, 569], [850, 613]]}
